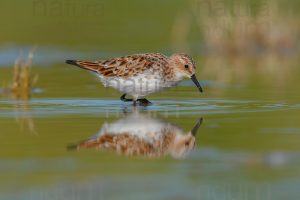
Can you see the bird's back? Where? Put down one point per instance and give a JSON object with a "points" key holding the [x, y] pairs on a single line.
{"points": [[124, 67]]}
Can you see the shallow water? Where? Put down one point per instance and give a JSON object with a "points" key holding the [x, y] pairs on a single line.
{"points": [[245, 149], [56, 107]]}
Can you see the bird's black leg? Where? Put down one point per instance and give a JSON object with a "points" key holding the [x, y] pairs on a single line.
{"points": [[144, 102], [124, 99]]}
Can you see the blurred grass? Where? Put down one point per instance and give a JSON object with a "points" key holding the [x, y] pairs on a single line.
{"points": [[21, 88], [244, 41], [22, 82]]}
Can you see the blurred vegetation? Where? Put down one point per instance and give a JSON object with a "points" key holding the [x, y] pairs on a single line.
{"points": [[243, 40], [22, 83], [21, 88]]}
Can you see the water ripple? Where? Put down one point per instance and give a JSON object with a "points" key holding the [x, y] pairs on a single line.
{"points": [[47, 107]]}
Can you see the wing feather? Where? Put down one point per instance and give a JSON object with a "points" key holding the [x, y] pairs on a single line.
{"points": [[123, 67]]}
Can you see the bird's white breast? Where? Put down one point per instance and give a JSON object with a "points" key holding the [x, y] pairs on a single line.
{"points": [[140, 85]]}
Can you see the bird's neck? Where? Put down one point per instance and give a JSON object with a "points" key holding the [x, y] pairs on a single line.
{"points": [[174, 78], [172, 75], [178, 76]]}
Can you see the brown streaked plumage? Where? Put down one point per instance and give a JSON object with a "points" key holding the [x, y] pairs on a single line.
{"points": [[123, 67], [141, 74]]}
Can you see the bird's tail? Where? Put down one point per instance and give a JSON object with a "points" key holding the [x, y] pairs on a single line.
{"points": [[88, 65], [85, 144]]}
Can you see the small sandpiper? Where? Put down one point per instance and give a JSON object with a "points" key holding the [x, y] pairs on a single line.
{"points": [[141, 74]]}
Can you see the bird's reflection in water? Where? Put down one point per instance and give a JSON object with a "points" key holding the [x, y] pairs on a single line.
{"points": [[140, 135]]}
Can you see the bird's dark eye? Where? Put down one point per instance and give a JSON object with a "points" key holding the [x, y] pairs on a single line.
{"points": [[186, 143], [186, 66]]}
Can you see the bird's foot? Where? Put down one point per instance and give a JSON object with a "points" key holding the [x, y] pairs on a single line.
{"points": [[125, 99], [142, 102]]}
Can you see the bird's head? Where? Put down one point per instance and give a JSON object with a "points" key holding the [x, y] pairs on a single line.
{"points": [[185, 67]]}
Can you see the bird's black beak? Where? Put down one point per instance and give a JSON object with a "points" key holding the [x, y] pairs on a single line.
{"points": [[194, 79], [196, 127]]}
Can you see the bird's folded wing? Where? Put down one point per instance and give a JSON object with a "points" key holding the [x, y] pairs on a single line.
{"points": [[122, 67]]}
